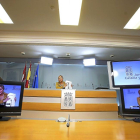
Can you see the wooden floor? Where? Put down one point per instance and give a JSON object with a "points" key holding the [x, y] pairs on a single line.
{"points": [[21, 129]]}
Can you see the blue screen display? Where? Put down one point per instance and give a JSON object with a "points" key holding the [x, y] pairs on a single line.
{"points": [[126, 73], [12, 93], [132, 98]]}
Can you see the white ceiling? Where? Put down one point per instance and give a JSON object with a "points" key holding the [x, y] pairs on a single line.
{"points": [[103, 17]]}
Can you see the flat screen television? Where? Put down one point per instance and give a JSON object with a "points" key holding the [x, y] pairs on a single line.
{"points": [[130, 97], [125, 73], [11, 95]]}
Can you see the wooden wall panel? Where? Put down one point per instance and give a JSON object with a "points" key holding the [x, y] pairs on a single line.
{"points": [[79, 94], [42, 93], [97, 94], [78, 107]]}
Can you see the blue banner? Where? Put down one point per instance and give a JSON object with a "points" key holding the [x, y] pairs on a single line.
{"points": [[35, 82]]}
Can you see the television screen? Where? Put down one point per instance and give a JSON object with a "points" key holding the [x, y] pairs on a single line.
{"points": [[130, 96], [126, 73], [11, 94]]}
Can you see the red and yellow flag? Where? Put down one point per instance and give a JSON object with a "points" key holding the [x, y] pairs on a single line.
{"points": [[24, 74], [27, 85]]}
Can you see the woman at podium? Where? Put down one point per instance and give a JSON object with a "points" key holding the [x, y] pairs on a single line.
{"points": [[60, 84]]}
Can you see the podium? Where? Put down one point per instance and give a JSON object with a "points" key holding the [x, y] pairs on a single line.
{"points": [[89, 104]]}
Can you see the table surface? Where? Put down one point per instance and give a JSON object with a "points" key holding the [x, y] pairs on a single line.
{"points": [[25, 129]]}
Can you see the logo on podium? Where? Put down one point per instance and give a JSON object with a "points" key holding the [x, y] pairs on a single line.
{"points": [[68, 99]]}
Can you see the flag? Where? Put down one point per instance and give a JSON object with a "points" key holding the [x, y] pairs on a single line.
{"points": [[35, 82], [27, 85], [24, 74]]}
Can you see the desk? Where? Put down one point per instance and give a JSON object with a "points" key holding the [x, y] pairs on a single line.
{"points": [[90, 104], [21, 129]]}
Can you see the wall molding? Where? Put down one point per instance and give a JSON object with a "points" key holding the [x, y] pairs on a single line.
{"points": [[69, 39]]}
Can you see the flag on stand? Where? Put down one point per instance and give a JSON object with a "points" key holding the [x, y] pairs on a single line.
{"points": [[27, 85], [24, 74], [35, 82]]}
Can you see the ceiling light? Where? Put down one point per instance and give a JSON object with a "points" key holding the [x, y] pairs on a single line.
{"points": [[46, 60], [134, 22], [89, 62], [111, 55], [67, 54], [69, 11], [4, 18], [23, 53]]}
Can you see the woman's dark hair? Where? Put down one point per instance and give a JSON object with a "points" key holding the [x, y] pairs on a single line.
{"points": [[2, 86], [1, 79]]}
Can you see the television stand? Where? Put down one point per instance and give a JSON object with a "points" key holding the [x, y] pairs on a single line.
{"points": [[4, 118], [136, 120]]}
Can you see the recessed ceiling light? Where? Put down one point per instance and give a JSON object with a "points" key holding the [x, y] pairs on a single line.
{"points": [[67, 54], [69, 11], [134, 22], [4, 17], [111, 55], [23, 53]]}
